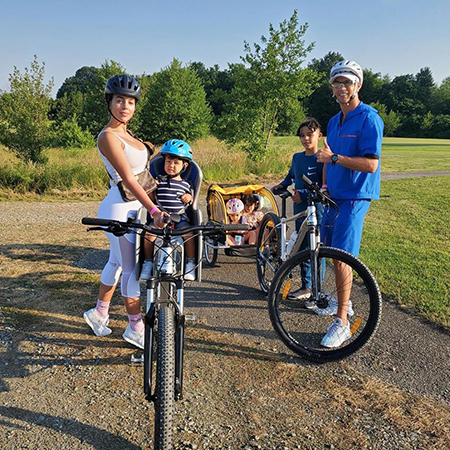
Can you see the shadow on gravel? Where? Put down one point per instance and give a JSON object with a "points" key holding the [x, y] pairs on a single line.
{"points": [[96, 437], [51, 254]]}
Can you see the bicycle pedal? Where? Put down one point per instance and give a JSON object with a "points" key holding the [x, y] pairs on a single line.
{"points": [[190, 318], [137, 358]]}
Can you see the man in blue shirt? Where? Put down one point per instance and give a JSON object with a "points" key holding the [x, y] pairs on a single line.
{"points": [[352, 176]]}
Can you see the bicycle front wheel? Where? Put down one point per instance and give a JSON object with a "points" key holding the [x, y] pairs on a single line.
{"points": [[302, 323], [210, 252], [165, 379], [268, 250]]}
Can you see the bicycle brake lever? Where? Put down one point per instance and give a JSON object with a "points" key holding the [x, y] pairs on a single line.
{"points": [[96, 229]]}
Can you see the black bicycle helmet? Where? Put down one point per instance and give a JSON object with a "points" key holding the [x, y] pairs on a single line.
{"points": [[122, 85]]}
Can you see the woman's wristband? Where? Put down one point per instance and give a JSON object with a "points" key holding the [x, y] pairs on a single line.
{"points": [[152, 212], [324, 186]]}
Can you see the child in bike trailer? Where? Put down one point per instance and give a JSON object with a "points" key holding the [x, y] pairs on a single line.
{"points": [[235, 209], [253, 216], [304, 163], [173, 195]]}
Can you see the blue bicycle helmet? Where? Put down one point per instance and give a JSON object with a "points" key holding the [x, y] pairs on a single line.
{"points": [[178, 148]]}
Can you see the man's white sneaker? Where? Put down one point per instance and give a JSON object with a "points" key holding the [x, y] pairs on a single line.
{"points": [[133, 337], [189, 273], [99, 326], [147, 269], [331, 309], [337, 334]]}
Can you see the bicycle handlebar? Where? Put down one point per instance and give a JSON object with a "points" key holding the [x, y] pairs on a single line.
{"points": [[313, 188], [117, 227]]}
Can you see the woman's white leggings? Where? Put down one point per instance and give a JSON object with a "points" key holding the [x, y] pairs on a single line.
{"points": [[122, 253]]}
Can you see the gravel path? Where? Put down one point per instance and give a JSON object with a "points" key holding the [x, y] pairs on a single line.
{"points": [[408, 351]]}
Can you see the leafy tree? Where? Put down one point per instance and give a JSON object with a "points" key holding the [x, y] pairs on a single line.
{"points": [[440, 98], [24, 125], [323, 65], [392, 120], [69, 134], [402, 96], [425, 86], [218, 85], [175, 106], [81, 82], [373, 86], [271, 80], [320, 104]]}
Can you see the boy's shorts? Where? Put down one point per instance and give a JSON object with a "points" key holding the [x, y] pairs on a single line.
{"points": [[345, 231]]}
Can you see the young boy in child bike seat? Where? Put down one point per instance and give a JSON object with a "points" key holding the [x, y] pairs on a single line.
{"points": [[174, 195]]}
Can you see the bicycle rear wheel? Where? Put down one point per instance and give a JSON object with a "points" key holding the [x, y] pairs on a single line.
{"points": [[165, 378], [302, 329], [268, 250]]}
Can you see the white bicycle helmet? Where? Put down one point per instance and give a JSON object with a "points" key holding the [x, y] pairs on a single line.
{"points": [[348, 69], [234, 205]]}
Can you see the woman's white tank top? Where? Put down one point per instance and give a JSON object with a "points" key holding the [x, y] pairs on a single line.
{"points": [[135, 157]]}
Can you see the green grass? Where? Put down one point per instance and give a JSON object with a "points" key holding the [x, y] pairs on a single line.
{"points": [[69, 173], [406, 244], [400, 154], [79, 173]]}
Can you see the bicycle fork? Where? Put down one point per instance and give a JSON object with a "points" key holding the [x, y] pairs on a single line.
{"points": [[314, 241], [150, 319]]}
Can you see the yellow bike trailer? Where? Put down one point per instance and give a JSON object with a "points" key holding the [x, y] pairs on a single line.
{"points": [[216, 199]]}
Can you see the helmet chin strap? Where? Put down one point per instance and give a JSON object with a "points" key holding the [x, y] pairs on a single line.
{"points": [[109, 109]]}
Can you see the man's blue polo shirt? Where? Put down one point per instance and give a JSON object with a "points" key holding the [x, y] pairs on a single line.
{"points": [[360, 134]]}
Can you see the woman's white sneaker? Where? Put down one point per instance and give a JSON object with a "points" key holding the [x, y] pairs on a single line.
{"points": [[99, 326], [134, 338]]}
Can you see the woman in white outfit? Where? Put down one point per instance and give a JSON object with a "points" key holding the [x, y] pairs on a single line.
{"points": [[123, 156]]}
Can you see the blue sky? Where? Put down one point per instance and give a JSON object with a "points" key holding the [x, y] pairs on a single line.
{"points": [[394, 37]]}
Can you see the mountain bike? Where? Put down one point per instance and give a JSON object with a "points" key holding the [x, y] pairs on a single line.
{"points": [[164, 317], [302, 323]]}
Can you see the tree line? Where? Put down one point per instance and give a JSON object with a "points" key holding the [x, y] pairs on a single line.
{"points": [[269, 93]]}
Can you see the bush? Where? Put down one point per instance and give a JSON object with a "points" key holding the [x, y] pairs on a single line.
{"points": [[69, 134]]}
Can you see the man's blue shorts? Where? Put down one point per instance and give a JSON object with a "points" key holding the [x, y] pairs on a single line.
{"points": [[345, 231]]}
